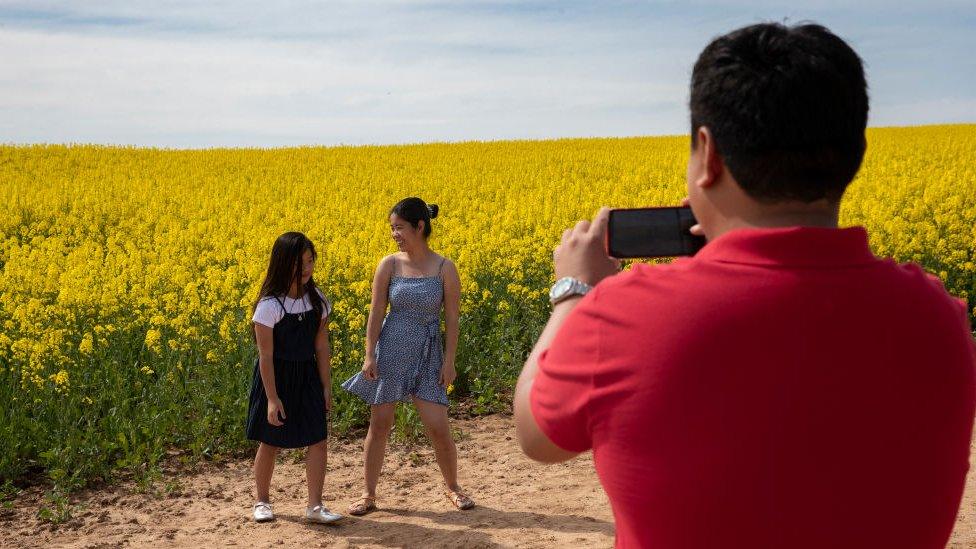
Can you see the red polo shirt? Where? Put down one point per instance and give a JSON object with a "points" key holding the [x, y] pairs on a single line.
{"points": [[783, 388]]}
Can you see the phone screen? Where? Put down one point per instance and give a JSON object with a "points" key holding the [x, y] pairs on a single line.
{"points": [[652, 232]]}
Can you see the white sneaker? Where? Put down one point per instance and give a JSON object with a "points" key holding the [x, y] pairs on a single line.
{"points": [[321, 515], [263, 512]]}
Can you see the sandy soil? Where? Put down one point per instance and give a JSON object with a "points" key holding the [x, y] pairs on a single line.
{"points": [[520, 504]]}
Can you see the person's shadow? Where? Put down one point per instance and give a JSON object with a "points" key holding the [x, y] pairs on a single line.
{"points": [[488, 517], [469, 526]]}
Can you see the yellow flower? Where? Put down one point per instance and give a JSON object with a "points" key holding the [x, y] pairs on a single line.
{"points": [[153, 338], [86, 346], [60, 379]]}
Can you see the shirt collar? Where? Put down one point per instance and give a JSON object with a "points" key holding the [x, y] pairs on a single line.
{"points": [[791, 246]]}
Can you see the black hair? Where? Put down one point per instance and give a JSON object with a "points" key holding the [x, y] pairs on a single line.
{"points": [[285, 267], [786, 107], [413, 209]]}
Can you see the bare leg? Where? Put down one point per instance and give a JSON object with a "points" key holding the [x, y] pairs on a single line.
{"points": [[264, 462], [380, 425], [316, 458], [434, 417]]}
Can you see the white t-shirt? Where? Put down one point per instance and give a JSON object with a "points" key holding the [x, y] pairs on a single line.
{"points": [[269, 311]]}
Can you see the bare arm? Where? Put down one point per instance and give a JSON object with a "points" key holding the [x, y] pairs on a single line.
{"points": [[580, 254], [533, 441], [377, 309], [323, 358], [452, 314], [265, 340]]}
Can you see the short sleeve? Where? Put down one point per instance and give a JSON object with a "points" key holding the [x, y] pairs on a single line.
{"points": [[268, 312], [327, 305], [562, 391], [958, 302]]}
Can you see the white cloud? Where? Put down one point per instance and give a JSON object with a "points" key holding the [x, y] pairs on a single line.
{"points": [[258, 74], [73, 87]]}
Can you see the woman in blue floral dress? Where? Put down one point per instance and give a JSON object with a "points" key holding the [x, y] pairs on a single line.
{"points": [[406, 358]]}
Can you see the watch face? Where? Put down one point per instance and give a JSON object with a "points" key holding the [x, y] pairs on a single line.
{"points": [[560, 288]]}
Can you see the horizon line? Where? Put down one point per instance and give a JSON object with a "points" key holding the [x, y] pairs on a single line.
{"points": [[404, 144]]}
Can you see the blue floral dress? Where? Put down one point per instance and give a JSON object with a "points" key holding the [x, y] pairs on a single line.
{"points": [[410, 350]]}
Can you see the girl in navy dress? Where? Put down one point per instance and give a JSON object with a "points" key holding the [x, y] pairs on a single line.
{"points": [[406, 359], [291, 388]]}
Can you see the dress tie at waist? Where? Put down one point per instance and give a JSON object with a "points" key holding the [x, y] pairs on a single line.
{"points": [[433, 332]]}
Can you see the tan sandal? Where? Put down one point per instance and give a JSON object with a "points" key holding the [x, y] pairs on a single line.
{"points": [[459, 499], [363, 505]]}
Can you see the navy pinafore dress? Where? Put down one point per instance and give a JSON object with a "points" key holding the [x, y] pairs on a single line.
{"points": [[298, 383]]}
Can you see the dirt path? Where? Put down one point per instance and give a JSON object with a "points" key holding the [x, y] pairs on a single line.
{"points": [[521, 504]]}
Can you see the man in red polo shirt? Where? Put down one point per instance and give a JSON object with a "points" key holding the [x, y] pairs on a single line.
{"points": [[784, 387]]}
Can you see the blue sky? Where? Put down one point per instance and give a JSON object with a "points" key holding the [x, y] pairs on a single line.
{"points": [[247, 73]]}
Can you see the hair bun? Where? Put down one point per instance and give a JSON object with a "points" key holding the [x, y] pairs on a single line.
{"points": [[433, 209]]}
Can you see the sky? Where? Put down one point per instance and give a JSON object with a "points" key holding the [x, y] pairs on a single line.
{"points": [[190, 74]]}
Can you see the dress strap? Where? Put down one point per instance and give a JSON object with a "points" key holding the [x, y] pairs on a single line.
{"points": [[439, 269], [282, 303], [394, 265]]}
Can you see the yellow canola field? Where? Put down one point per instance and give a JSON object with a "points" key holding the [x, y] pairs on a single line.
{"points": [[127, 275]]}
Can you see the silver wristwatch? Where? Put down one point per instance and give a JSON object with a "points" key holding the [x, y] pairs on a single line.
{"points": [[567, 287]]}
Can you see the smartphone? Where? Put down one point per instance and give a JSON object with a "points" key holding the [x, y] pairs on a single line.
{"points": [[652, 232]]}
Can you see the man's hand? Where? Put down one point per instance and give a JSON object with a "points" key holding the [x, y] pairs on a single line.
{"points": [[582, 252], [695, 229]]}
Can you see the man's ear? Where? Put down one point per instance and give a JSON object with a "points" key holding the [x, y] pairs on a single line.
{"points": [[712, 165]]}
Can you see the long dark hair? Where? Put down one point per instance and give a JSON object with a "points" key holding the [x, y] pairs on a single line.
{"points": [[285, 267], [413, 209]]}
